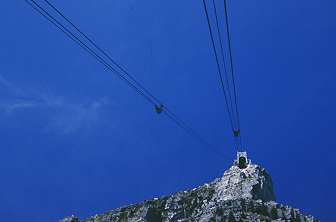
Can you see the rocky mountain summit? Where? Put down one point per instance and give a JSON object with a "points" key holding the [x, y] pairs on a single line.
{"points": [[243, 193]]}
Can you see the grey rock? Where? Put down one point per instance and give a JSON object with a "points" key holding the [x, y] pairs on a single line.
{"points": [[243, 193], [249, 182], [70, 219]]}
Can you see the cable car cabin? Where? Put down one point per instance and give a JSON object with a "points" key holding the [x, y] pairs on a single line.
{"points": [[158, 109], [242, 162], [236, 133]]}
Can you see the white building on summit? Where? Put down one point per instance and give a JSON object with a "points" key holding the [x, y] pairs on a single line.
{"points": [[242, 160]]}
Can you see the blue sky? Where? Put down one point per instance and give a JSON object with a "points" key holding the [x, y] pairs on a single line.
{"points": [[77, 140]]}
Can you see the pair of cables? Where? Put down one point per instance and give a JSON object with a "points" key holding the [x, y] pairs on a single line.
{"points": [[226, 70], [66, 26]]}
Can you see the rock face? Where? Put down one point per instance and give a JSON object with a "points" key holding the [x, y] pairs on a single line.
{"points": [[244, 193], [244, 181]]}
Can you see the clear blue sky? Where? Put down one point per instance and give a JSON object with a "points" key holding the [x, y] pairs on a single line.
{"points": [[77, 140]]}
